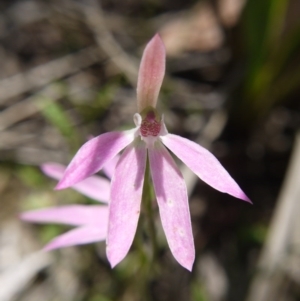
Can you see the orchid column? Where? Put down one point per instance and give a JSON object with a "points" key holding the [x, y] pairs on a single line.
{"points": [[149, 139]]}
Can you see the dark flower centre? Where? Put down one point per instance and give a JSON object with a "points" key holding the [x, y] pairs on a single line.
{"points": [[150, 126]]}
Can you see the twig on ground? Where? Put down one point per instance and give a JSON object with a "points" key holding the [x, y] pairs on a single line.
{"points": [[44, 74], [11, 139], [30, 106], [33, 156], [22, 13], [105, 40], [37, 102]]}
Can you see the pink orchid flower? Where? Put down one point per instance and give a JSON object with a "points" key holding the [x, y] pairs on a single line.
{"points": [[149, 138], [90, 220]]}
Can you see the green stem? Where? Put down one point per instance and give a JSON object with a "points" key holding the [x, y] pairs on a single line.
{"points": [[146, 225], [149, 212]]}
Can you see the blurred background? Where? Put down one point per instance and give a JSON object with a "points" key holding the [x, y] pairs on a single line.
{"points": [[69, 71]]}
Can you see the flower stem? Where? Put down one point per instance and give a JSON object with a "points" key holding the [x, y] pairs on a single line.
{"points": [[146, 228], [148, 209]]}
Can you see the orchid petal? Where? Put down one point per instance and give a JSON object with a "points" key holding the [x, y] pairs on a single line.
{"points": [[78, 236], [151, 73], [109, 167], [94, 187], [76, 215], [172, 199], [124, 208], [53, 170], [93, 155], [204, 164]]}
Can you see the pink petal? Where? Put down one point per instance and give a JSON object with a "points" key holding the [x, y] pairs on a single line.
{"points": [[172, 198], [78, 236], [110, 166], [71, 215], [93, 155], [124, 208], [151, 73], [204, 164], [95, 187], [53, 170]]}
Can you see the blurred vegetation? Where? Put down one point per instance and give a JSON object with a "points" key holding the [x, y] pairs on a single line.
{"points": [[271, 41]]}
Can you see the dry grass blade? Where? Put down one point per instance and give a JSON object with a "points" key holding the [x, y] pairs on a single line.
{"points": [[105, 40], [279, 240], [29, 106], [16, 278], [44, 74], [33, 155]]}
